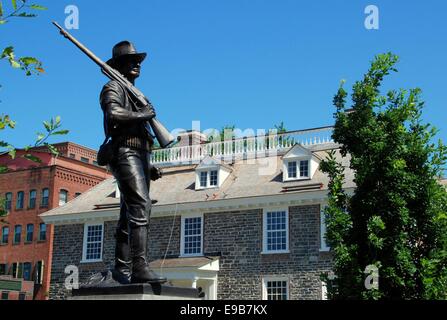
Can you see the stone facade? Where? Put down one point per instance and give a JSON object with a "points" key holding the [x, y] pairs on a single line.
{"points": [[236, 237]]}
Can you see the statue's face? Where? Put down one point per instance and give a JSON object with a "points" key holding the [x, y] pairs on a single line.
{"points": [[130, 68]]}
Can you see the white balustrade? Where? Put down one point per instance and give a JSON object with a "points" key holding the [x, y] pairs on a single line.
{"points": [[242, 146]]}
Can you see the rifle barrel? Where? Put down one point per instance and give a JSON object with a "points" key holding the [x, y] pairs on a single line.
{"points": [[90, 54]]}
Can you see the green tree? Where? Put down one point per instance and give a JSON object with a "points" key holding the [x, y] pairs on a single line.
{"points": [[29, 65], [396, 219]]}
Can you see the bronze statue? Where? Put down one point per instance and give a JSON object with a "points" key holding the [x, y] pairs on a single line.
{"points": [[128, 120], [130, 165]]}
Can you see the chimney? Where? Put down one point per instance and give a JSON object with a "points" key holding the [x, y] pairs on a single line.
{"points": [[191, 138]]}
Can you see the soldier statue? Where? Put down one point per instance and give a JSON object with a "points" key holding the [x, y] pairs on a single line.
{"points": [[131, 142]]}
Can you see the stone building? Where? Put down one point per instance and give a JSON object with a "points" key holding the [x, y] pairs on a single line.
{"points": [[29, 189], [241, 219]]}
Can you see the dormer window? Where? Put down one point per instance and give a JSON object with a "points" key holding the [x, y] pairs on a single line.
{"points": [[299, 164], [298, 169], [304, 169], [211, 173], [209, 179]]}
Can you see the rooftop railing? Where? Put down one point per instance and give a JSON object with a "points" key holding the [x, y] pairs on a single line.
{"points": [[247, 147]]}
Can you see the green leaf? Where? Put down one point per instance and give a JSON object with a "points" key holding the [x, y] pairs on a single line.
{"points": [[38, 7], [12, 153], [58, 120], [3, 169], [8, 52], [32, 158], [47, 126], [14, 4], [26, 15], [29, 60], [3, 21], [62, 132], [1, 9], [40, 137], [52, 149], [14, 64]]}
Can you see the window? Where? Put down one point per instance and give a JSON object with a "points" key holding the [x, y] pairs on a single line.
{"points": [[8, 201], [20, 271], [323, 243], [85, 160], [213, 178], [192, 231], [93, 237], [17, 234], [72, 155], [304, 169], [275, 289], [38, 277], [43, 232], [22, 296], [45, 197], [276, 231], [63, 197], [208, 179], [77, 194], [95, 162], [203, 179], [5, 295], [27, 271], [291, 166], [5, 235], [29, 232], [32, 199], [297, 169], [3, 269], [14, 270], [20, 199]]}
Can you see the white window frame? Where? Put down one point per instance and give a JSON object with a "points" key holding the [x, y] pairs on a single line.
{"points": [[84, 244], [182, 235], [298, 168], [208, 178], [265, 280], [323, 244], [264, 231]]}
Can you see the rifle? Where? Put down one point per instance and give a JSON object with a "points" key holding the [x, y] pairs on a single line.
{"points": [[161, 133]]}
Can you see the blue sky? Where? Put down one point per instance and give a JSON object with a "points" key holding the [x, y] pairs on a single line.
{"points": [[248, 63]]}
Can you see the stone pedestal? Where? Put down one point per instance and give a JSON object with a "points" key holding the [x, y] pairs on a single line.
{"points": [[135, 292], [102, 287]]}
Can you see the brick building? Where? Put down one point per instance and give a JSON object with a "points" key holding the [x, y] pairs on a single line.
{"points": [[240, 219], [29, 189]]}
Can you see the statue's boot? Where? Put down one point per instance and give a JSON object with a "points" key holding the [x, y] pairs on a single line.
{"points": [[123, 264], [141, 273]]}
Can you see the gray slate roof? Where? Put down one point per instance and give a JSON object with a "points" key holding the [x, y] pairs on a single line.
{"points": [[178, 185]]}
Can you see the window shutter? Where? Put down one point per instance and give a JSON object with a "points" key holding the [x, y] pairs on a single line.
{"points": [[20, 271]]}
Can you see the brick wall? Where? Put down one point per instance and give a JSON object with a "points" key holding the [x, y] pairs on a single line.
{"points": [[236, 235], [55, 178]]}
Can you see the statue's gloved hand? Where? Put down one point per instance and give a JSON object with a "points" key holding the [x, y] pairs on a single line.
{"points": [[148, 113], [156, 173]]}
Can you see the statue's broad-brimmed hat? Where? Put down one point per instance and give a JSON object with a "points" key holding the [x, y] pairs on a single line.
{"points": [[125, 50]]}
